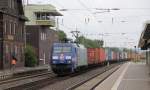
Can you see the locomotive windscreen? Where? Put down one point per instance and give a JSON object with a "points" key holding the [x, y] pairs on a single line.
{"points": [[63, 49]]}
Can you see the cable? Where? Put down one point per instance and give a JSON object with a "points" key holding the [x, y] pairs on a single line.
{"points": [[57, 3], [88, 9], [67, 13], [135, 8]]}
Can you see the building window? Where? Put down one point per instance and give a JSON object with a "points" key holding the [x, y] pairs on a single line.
{"points": [[10, 28], [44, 16], [5, 27], [14, 29], [43, 36], [11, 3], [38, 16]]}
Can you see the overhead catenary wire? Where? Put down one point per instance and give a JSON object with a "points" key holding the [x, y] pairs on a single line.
{"points": [[135, 8], [88, 9]]}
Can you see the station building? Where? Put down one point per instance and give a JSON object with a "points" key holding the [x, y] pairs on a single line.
{"points": [[40, 35], [12, 33]]}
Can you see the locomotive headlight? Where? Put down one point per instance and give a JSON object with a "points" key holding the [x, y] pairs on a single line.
{"points": [[68, 57], [54, 62], [55, 57], [69, 62]]}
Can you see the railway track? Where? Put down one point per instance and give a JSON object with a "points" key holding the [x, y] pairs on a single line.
{"points": [[33, 82], [51, 81], [16, 82], [76, 81], [93, 82]]}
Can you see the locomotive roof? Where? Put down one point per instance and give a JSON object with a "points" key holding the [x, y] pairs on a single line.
{"points": [[69, 44]]}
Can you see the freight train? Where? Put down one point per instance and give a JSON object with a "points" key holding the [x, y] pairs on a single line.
{"points": [[71, 57]]}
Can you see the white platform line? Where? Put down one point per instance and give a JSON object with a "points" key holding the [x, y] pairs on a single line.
{"points": [[118, 81]]}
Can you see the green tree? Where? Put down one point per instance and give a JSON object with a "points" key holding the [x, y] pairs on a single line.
{"points": [[30, 57], [115, 49], [62, 36], [88, 43]]}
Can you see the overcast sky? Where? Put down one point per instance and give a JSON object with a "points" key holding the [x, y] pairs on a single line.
{"points": [[121, 28]]}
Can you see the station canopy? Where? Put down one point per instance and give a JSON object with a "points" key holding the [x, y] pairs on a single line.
{"points": [[144, 42]]}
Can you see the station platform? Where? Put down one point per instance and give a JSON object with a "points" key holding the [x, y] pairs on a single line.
{"points": [[10, 72], [130, 76]]}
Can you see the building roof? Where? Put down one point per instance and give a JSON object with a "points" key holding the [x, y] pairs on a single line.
{"points": [[144, 42], [43, 8], [22, 17], [18, 13]]}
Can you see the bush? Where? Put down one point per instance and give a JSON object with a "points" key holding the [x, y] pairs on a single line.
{"points": [[30, 57]]}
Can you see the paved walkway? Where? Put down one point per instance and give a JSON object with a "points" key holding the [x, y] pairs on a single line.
{"points": [[131, 76]]}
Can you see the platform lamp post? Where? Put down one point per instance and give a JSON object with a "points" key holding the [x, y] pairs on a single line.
{"points": [[135, 53]]}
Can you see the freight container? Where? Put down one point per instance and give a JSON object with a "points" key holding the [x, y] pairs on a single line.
{"points": [[91, 53], [126, 56], [106, 53], [114, 56], [96, 55], [102, 56], [118, 57], [109, 54], [82, 56], [122, 55], [97, 52]]}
